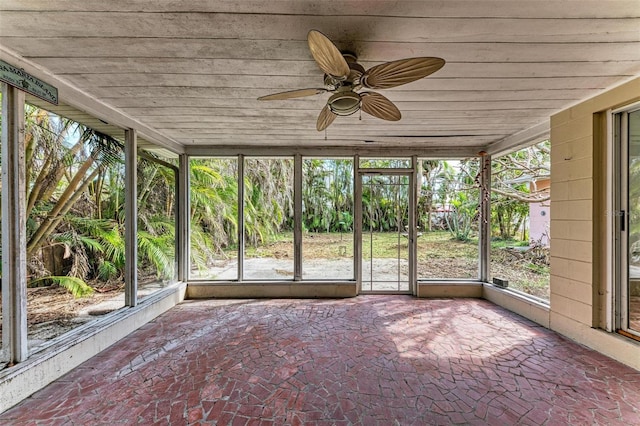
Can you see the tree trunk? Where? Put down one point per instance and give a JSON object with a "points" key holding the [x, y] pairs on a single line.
{"points": [[45, 227]]}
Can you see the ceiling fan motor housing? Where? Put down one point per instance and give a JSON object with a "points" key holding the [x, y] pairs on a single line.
{"points": [[353, 79], [344, 103]]}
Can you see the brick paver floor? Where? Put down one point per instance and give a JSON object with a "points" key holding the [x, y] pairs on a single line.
{"points": [[370, 360]]}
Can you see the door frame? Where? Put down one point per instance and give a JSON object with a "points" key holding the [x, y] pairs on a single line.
{"points": [[618, 306], [411, 231]]}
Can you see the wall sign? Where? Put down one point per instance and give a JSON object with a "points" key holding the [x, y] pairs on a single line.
{"points": [[19, 78]]}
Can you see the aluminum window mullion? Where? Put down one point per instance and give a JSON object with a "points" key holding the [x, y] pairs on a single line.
{"points": [[357, 228], [412, 232], [297, 218], [240, 217], [485, 219], [183, 238], [131, 218]]}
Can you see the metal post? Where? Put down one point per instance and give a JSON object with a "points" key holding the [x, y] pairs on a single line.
{"points": [[240, 217], [297, 218], [485, 217], [131, 218], [357, 221], [183, 247], [413, 230], [14, 243]]}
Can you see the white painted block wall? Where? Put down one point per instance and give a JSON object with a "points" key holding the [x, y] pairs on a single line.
{"points": [[578, 258]]}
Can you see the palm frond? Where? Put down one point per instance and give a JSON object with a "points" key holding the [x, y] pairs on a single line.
{"points": [[114, 246], [74, 285], [158, 252], [107, 270], [109, 150]]}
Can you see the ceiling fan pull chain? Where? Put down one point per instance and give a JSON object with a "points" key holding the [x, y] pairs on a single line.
{"points": [[360, 111], [325, 133]]}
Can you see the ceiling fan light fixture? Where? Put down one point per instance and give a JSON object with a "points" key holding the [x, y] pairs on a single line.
{"points": [[344, 103]]}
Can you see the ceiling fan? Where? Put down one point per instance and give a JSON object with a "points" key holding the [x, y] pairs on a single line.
{"points": [[344, 76]]}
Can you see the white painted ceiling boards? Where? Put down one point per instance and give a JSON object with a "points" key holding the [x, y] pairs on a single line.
{"points": [[189, 72]]}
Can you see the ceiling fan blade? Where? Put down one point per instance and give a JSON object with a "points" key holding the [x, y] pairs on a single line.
{"points": [[291, 94], [377, 105], [327, 55], [325, 118], [403, 71]]}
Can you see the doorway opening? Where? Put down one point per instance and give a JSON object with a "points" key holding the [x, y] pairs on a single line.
{"points": [[385, 236]]}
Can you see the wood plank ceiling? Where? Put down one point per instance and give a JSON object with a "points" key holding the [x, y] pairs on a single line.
{"points": [[192, 70]]}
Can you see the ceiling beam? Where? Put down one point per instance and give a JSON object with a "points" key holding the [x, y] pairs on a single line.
{"points": [[333, 151], [71, 95], [530, 136]]}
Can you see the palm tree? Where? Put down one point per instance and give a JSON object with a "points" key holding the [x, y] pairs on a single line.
{"points": [[74, 206]]}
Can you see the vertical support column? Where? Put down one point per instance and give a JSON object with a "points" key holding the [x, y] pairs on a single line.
{"points": [[240, 217], [413, 227], [485, 217], [14, 233], [357, 223], [297, 218], [184, 207], [131, 218]]}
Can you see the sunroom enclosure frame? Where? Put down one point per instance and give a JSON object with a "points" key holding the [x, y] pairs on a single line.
{"points": [[243, 287], [41, 367]]}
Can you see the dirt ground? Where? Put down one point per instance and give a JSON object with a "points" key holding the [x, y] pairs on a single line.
{"points": [[52, 311], [438, 257]]}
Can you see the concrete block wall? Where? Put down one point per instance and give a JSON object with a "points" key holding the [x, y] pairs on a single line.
{"points": [[578, 218]]}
